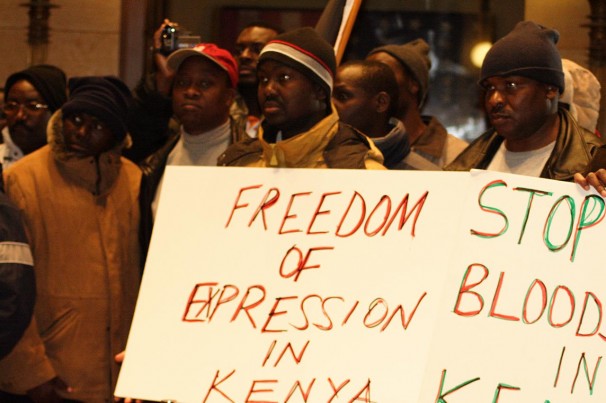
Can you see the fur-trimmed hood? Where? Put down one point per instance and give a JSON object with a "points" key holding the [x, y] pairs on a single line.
{"points": [[97, 174]]}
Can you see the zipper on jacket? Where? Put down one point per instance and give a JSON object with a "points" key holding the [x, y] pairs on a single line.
{"points": [[98, 180], [273, 162]]}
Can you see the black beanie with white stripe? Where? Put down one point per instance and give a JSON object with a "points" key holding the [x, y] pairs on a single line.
{"points": [[306, 51]]}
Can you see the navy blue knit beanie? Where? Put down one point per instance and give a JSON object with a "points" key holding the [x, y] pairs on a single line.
{"points": [[529, 50], [49, 81], [107, 98]]}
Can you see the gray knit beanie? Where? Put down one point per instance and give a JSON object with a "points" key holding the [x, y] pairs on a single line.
{"points": [[529, 50], [414, 56]]}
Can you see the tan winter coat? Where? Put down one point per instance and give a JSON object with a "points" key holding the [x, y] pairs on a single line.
{"points": [[82, 218], [328, 144]]}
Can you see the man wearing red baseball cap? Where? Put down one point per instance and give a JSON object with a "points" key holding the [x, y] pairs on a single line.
{"points": [[203, 90]]}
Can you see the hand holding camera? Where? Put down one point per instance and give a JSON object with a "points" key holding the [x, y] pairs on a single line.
{"points": [[171, 36], [163, 75]]}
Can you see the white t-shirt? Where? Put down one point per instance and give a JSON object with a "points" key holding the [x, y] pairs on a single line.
{"points": [[529, 163], [198, 150]]}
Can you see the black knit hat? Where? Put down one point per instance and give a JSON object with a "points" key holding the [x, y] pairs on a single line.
{"points": [[107, 98], [306, 51], [414, 56], [49, 81], [529, 50]]}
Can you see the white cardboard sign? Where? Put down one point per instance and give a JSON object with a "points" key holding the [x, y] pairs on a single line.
{"points": [[269, 285], [522, 316]]}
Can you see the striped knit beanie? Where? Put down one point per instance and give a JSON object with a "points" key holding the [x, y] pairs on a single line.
{"points": [[306, 51]]}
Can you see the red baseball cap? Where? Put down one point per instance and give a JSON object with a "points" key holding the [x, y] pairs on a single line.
{"points": [[212, 52]]}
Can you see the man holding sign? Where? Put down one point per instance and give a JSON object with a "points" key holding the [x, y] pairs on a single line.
{"points": [[523, 79], [301, 129]]}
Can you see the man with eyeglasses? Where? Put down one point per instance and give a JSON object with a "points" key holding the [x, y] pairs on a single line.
{"points": [[531, 133], [31, 97]]}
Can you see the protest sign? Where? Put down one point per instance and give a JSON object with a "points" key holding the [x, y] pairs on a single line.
{"points": [[291, 285], [522, 318], [277, 285]]}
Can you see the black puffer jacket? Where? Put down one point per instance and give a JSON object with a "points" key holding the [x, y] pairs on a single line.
{"points": [[17, 283]]}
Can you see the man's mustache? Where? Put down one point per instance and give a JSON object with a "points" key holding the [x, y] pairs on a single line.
{"points": [[498, 108], [274, 99], [18, 125]]}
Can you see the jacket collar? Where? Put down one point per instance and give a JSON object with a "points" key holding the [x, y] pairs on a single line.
{"points": [[572, 153], [300, 150], [431, 142]]}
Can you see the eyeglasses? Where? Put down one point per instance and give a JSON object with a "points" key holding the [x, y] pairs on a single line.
{"points": [[13, 107]]}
